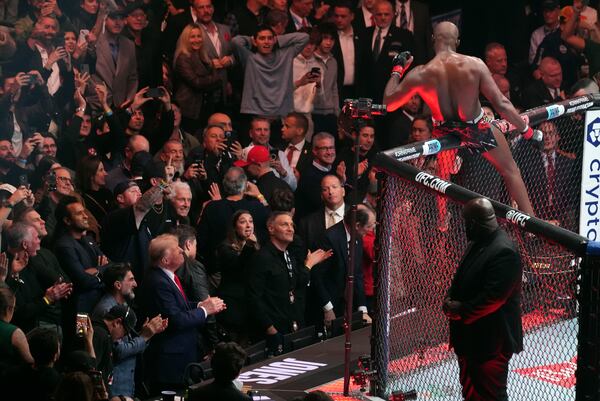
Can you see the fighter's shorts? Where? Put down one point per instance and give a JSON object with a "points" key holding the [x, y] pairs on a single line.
{"points": [[475, 135]]}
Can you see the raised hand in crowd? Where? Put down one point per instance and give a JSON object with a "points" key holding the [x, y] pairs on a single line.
{"points": [[138, 99], [35, 78], [23, 194], [57, 54], [363, 166], [195, 170], [170, 170], [58, 291], [19, 262], [237, 150], [153, 326], [316, 257], [214, 192], [81, 80], [212, 305], [102, 93], [165, 98]]}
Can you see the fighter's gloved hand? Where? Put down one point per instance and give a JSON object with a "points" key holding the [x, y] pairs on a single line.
{"points": [[400, 63], [534, 135]]}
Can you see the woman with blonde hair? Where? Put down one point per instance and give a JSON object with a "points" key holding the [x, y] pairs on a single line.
{"points": [[197, 84]]}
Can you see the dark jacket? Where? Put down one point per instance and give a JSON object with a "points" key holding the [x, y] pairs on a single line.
{"points": [[269, 286], [195, 84], [76, 256], [376, 72], [328, 279], [488, 285], [172, 350]]}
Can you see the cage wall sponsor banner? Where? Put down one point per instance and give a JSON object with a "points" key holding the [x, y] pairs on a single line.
{"points": [[560, 374], [276, 372], [589, 207]]}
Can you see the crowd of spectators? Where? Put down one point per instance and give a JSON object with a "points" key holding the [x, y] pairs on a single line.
{"points": [[173, 174]]}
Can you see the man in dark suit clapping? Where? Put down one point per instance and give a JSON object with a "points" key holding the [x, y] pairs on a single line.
{"points": [[162, 294]]}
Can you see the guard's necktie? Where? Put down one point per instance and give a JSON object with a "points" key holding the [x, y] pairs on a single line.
{"points": [[403, 18], [377, 44]]}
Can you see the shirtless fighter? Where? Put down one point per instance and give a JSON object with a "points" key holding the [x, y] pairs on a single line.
{"points": [[450, 85]]}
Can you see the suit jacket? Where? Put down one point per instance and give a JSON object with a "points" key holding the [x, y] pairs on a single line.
{"points": [[422, 31], [226, 49], [305, 159], [172, 350], [338, 54], [308, 193], [488, 284], [564, 198], [218, 391], [121, 79], [312, 229], [378, 71], [537, 94], [328, 279], [359, 20], [76, 256]]}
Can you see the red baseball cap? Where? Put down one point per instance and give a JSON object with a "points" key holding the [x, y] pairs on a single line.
{"points": [[258, 154]]}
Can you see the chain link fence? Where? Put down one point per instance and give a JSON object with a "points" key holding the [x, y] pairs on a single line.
{"points": [[421, 240]]}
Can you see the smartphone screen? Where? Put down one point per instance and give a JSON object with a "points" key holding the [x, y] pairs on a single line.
{"points": [[81, 324]]}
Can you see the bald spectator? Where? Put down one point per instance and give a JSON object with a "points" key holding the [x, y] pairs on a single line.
{"points": [[548, 88], [135, 143]]}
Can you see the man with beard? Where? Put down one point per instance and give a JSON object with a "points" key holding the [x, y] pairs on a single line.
{"points": [[119, 286], [39, 53], [81, 257], [483, 305]]}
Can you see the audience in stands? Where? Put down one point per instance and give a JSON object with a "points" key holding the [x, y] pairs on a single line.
{"points": [[154, 157]]}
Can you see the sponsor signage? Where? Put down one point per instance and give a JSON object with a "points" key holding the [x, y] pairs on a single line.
{"points": [[559, 374], [517, 218], [589, 207], [276, 372], [433, 182]]}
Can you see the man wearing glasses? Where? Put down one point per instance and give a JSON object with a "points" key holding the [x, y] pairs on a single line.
{"points": [[308, 193]]}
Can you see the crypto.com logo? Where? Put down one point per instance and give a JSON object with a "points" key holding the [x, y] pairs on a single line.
{"points": [[593, 132]]}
